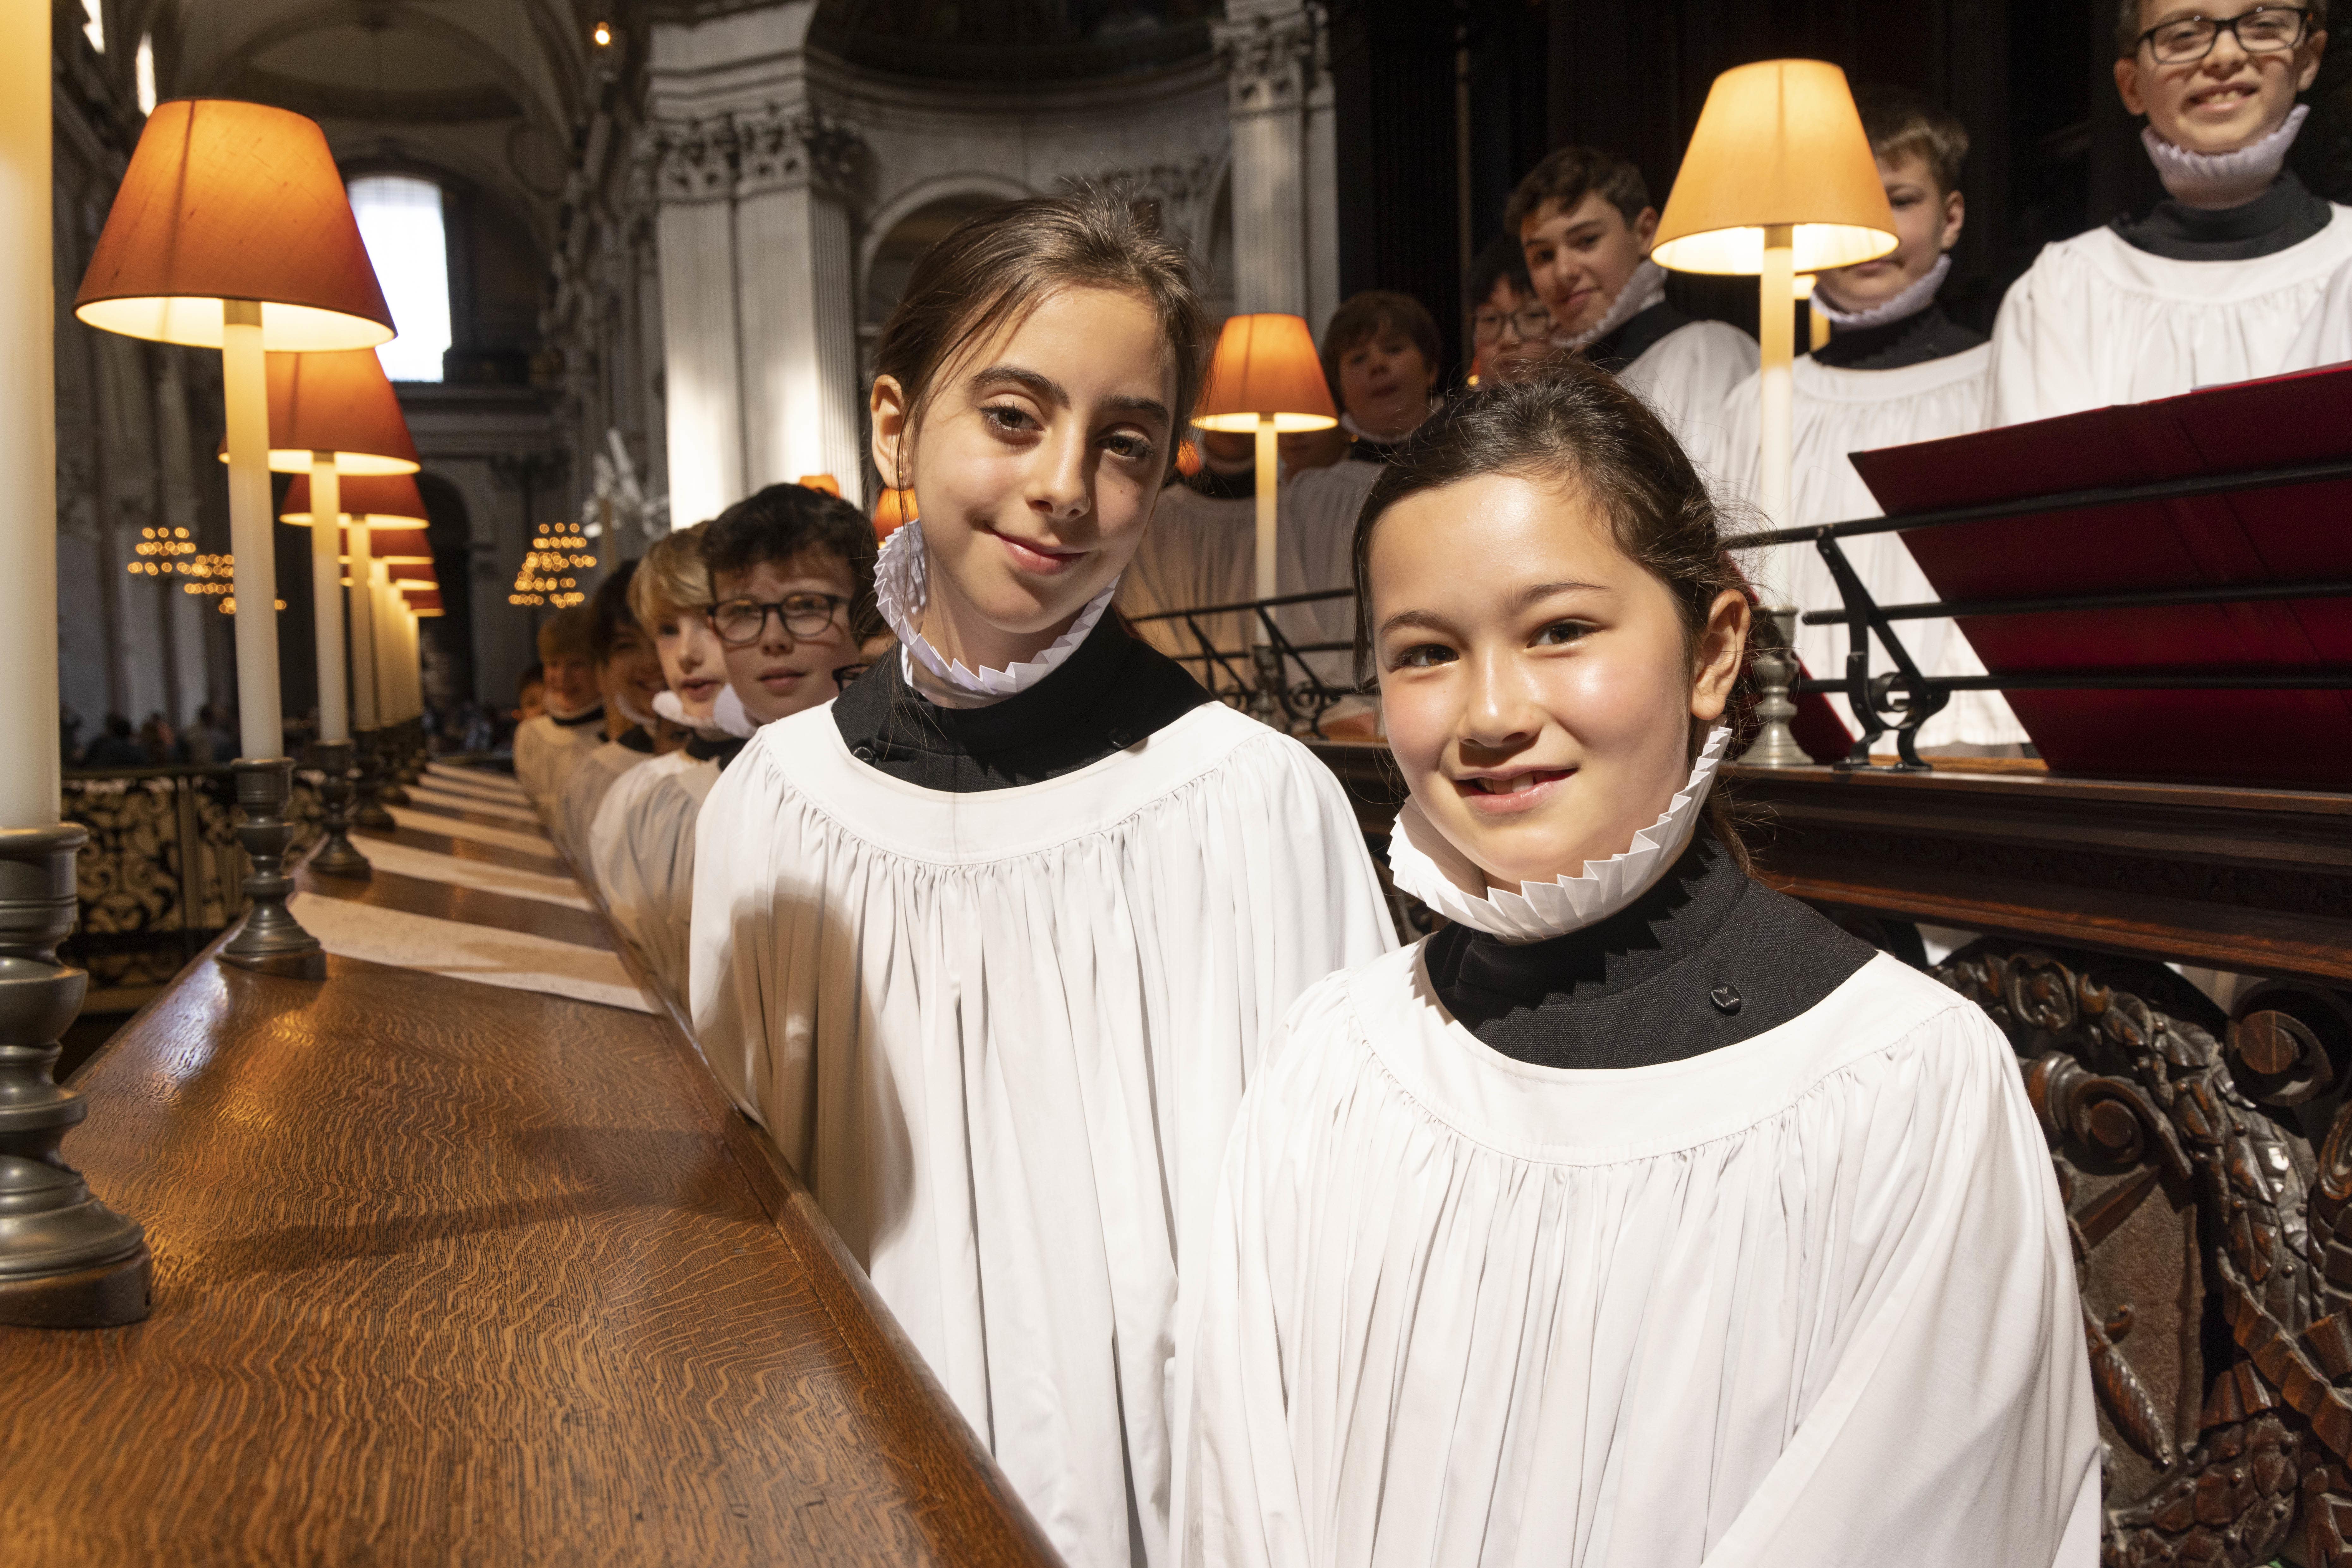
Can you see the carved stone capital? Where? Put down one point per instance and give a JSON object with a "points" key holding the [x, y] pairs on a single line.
{"points": [[777, 150], [690, 161], [1268, 61]]}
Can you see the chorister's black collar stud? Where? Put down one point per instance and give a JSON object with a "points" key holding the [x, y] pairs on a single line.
{"points": [[1726, 999]]}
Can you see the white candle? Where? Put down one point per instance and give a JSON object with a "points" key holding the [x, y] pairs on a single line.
{"points": [[1777, 341], [1268, 454], [362, 601], [245, 393], [327, 594], [28, 428]]}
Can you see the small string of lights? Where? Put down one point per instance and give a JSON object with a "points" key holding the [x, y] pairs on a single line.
{"points": [[548, 575], [170, 553]]}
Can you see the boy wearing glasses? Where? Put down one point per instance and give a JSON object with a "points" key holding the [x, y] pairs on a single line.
{"points": [[1510, 326], [2219, 281], [1896, 370], [792, 572], [1585, 224]]}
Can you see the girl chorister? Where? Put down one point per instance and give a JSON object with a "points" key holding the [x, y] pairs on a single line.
{"points": [[991, 944], [1641, 1217]]}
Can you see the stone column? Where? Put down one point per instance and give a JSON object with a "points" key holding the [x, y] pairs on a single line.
{"points": [[694, 186], [1268, 51], [795, 297]]}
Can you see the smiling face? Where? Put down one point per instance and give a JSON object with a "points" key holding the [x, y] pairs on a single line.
{"points": [[1580, 259], [1536, 683], [631, 676], [1926, 224], [1384, 382], [693, 662], [2227, 100], [1038, 456], [779, 673], [569, 684]]}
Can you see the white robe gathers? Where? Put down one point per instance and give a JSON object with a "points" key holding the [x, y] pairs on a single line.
{"points": [[2096, 322], [544, 752], [584, 790], [1806, 1301], [1685, 377], [641, 858], [1836, 412], [2327, 337], [1002, 1034]]}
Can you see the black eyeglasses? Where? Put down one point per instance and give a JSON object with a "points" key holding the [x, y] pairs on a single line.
{"points": [[740, 621], [2264, 30], [1532, 323]]}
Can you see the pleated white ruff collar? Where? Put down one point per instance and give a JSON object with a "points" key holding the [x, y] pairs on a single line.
{"points": [[2222, 179], [1642, 290], [727, 715], [1917, 296], [901, 589], [1424, 865]]}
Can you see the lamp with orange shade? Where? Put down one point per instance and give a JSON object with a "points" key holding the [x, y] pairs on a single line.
{"points": [[1267, 380], [893, 511], [66, 1261], [231, 230], [1779, 180]]}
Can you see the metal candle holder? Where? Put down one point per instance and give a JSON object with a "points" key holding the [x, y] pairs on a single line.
{"points": [[337, 857], [1265, 700], [269, 939], [1775, 745], [371, 813], [66, 1261]]}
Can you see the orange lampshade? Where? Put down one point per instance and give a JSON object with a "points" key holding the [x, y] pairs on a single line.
{"points": [[1266, 364], [233, 201], [1778, 142], [893, 511], [402, 571], [424, 603], [340, 403], [825, 482], [386, 501], [407, 545]]}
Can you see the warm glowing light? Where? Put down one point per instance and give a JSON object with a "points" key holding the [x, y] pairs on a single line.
{"points": [[559, 548], [602, 34]]}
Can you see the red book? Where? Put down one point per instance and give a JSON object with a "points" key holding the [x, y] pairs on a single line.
{"points": [[2285, 534]]}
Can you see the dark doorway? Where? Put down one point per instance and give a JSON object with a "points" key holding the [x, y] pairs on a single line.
{"points": [[448, 638]]}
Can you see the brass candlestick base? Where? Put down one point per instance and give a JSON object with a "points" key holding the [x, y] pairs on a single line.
{"points": [[418, 752], [1775, 745], [269, 938], [371, 813], [337, 856], [66, 1261]]}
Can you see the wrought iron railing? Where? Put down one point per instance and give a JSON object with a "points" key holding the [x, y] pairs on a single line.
{"points": [[1275, 678], [1901, 699], [162, 872]]}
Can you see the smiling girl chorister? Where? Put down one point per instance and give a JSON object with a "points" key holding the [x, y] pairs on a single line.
{"points": [[991, 944], [1641, 1217]]}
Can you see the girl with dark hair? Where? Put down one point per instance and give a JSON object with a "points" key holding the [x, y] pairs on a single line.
{"points": [[991, 944], [1641, 1215]]}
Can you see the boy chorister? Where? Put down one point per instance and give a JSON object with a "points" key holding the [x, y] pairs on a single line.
{"points": [[1583, 217], [547, 743], [2216, 284], [1896, 370], [628, 672]]}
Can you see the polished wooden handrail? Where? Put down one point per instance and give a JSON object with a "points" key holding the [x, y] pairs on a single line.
{"points": [[450, 1273]]}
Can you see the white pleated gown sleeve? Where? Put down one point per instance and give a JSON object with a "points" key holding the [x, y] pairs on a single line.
{"points": [[1685, 377], [641, 856], [1198, 550], [2327, 338], [1833, 414], [1002, 1036], [544, 752], [1316, 548], [2096, 321], [582, 792], [1806, 1301]]}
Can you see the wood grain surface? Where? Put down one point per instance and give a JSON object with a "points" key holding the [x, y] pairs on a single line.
{"points": [[551, 864], [451, 1273]]}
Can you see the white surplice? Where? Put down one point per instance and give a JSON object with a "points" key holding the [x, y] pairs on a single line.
{"points": [[641, 857], [2327, 338], [1002, 1036], [584, 790], [1685, 377], [1835, 412], [544, 752], [2096, 322], [1803, 1301]]}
